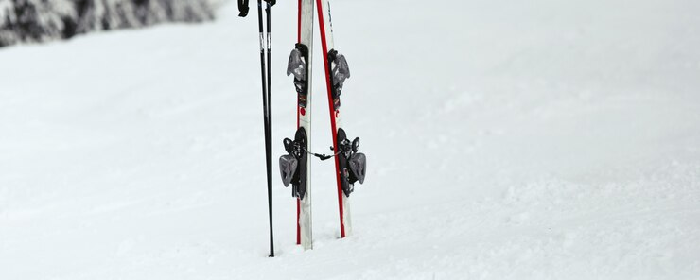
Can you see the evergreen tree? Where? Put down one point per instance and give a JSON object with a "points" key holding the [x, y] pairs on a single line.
{"points": [[36, 21]]}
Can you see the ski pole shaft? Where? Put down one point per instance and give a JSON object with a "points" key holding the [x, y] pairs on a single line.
{"points": [[269, 116], [266, 114]]}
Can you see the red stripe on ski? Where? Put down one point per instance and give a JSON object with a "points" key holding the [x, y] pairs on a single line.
{"points": [[321, 15], [298, 125], [298, 225]]}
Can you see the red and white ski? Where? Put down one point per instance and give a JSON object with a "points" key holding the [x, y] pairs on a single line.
{"points": [[350, 164], [326, 25]]}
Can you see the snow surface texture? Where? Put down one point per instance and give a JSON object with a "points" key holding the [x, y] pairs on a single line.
{"points": [[32, 21], [506, 140]]}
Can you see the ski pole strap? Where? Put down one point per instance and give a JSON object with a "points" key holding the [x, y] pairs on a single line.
{"points": [[243, 8], [322, 156], [345, 146]]}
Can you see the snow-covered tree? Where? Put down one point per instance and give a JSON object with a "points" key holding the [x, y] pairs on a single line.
{"points": [[32, 21]]}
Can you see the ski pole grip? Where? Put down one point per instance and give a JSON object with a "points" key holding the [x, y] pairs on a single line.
{"points": [[243, 8]]}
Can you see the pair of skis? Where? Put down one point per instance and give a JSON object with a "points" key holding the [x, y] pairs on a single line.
{"points": [[295, 166]]}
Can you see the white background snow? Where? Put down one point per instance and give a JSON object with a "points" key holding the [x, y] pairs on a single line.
{"points": [[506, 139]]}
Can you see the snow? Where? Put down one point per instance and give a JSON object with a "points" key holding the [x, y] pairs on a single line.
{"points": [[506, 140]]}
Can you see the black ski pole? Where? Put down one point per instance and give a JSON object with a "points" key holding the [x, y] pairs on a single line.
{"points": [[266, 113], [268, 140], [243, 9]]}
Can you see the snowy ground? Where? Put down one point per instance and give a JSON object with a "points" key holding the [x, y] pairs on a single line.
{"points": [[506, 140]]}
